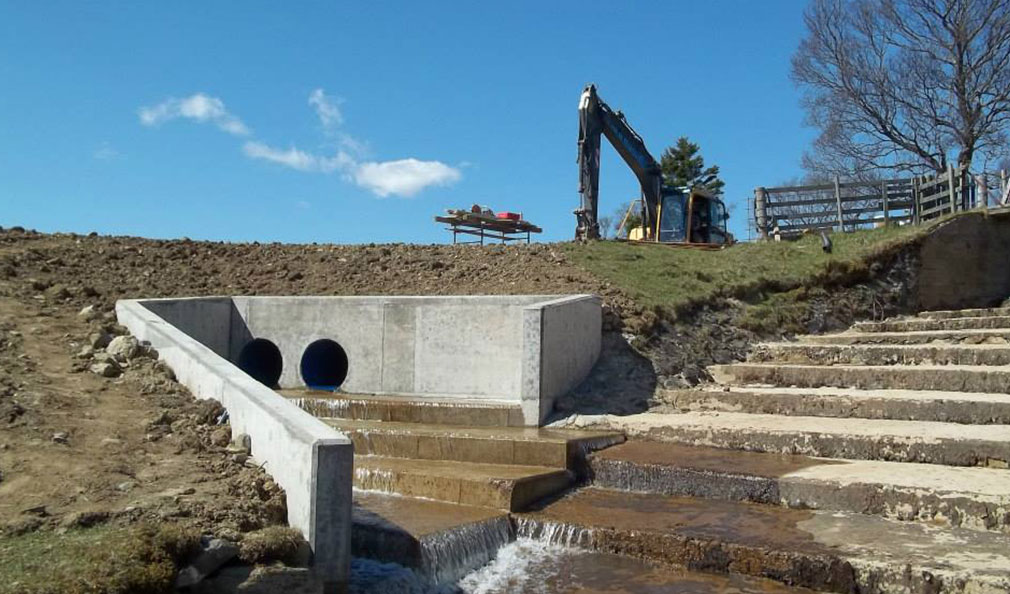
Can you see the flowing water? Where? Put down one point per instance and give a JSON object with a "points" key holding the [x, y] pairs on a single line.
{"points": [[534, 566]]}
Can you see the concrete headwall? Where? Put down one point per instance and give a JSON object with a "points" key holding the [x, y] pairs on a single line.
{"points": [[434, 346], [964, 262], [309, 459], [524, 349]]}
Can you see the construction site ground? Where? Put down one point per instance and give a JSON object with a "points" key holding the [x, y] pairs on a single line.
{"points": [[135, 453]]}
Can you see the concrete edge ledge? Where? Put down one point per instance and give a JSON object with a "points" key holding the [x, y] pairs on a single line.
{"points": [[312, 461]]}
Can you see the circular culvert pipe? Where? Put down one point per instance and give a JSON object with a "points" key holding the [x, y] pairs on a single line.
{"points": [[324, 365], [262, 360]]}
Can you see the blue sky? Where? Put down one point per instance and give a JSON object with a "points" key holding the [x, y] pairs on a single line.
{"points": [[351, 123]]}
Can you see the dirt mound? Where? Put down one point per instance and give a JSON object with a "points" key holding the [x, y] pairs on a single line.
{"points": [[95, 269]]}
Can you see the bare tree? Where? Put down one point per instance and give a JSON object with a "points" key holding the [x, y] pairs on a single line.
{"points": [[904, 85]]}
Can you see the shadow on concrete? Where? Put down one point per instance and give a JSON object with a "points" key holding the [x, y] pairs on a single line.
{"points": [[622, 383]]}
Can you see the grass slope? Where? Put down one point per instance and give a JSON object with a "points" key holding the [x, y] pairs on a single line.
{"points": [[675, 279]]}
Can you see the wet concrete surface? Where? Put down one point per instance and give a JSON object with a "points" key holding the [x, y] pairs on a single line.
{"points": [[643, 452], [827, 551], [976, 498], [535, 568], [447, 411], [496, 486], [441, 541]]}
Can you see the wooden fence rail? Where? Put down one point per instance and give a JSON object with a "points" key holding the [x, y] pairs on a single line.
{"points": [[846, 206]]}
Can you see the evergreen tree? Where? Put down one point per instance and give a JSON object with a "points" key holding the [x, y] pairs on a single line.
{"points": [[683, 166]]}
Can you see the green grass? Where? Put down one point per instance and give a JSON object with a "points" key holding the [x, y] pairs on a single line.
{"points": [[104, 559], [672, 279]]}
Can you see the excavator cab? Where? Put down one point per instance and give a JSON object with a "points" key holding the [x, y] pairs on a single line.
{"points": [[687, 215]]}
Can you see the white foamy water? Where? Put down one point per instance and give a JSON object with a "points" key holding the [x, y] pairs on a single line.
{"points": [[519, 566]]}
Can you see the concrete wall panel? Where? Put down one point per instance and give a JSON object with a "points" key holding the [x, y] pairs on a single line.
{"points": [[571, 334], [468, 349], [964, 263]]}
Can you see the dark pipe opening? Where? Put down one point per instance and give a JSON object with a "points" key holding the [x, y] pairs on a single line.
{"points": [[261, 359], [324, 365]]}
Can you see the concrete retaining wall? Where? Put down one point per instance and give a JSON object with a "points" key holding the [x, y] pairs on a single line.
{"points": [[309, 459], [964, 263]]}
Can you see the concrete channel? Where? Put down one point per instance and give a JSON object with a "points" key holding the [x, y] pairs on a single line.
{"points": [[517, 351]]}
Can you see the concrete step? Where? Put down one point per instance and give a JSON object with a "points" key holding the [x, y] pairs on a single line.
{"points": [[974, 498], [435, 411], [923, 324], [825, 551], [875, 354], [856, 439], [440, 541], [492, 445], [901, 405], [965, 313], [443, 542], [998, 336], [497, 486], [952, 378]]}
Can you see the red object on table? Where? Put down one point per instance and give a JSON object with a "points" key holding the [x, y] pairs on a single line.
{"points": [[512, 216]]}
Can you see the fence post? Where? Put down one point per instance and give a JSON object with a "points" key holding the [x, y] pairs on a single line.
{"points": [[982, 188], [761, 211], [838, 201], [950, 187], [883, 201], [916, 200]]}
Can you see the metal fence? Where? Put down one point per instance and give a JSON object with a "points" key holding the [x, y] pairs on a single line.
{"points": [[846, 206]]}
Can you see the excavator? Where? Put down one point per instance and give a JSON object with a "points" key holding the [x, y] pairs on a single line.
{"points": [[670, 215]]}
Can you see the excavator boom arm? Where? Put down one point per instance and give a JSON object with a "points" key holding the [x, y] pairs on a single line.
{"points": [[597, 119]]}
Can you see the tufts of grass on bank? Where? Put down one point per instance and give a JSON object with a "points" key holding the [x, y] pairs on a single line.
{"points": [[100, 560], [674, 279]]}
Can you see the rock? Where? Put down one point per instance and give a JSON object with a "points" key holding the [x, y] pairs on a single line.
{"points": [[240, 444], [264, 580], [58, 292], [86, 352], [85, 519], [61, 437], [99, 340], [214, 553], [23, 526], [163, 368], [221, 437], [38, 285], [89, 313], [106, 369], [123, 348]]}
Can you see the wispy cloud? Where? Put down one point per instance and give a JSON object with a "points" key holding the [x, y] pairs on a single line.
{"points": [[401, 177], [198, 107], [105, 152], [297, 159], [327, 109]]}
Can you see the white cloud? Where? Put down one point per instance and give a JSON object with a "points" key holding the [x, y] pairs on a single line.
{"points": [[198, 107], [327, 109], [405, 177]]}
